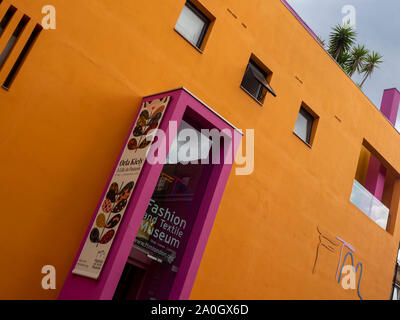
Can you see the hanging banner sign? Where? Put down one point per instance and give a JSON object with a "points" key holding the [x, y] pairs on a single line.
{"points": [[120, 189]]}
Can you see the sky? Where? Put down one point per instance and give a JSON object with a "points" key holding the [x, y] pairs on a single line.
{"points": [[377, 23]]}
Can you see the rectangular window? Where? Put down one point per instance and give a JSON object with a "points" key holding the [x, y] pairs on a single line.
{"points": [[304, 125], [192, 24], [13, 40], [6, 19], [21, 58], [255, 82]]}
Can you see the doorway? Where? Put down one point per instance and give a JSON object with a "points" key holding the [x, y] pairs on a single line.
{"points": [[167, 244], [166, 227], [130, 282]]}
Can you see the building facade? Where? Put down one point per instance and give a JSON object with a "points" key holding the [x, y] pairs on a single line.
{"points": [[323, 194]]}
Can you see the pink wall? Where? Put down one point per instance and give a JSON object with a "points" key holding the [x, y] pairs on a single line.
{"points": [[375, 179], [390, 104]]}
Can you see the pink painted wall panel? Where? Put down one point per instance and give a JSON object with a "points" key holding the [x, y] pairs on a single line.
{"points": [[390, 104], [375, 180]]}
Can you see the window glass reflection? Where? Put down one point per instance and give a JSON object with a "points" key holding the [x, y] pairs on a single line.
{"points": [[190, 25]]}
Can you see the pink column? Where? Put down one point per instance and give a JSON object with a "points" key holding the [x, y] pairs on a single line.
{"points": [[390, 104], [376, 174], [375, 180]]}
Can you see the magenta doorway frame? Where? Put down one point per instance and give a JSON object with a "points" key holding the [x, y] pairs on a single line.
{"points": [[77, 287]]}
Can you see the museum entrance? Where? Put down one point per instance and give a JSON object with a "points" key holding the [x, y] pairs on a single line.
{"points": [[164, 211], [170, 217]]}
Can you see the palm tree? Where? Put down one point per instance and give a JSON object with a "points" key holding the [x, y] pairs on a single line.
{"points": [[343, 59], [356, 59], [340, 40], [322, 41], [372, 62]]}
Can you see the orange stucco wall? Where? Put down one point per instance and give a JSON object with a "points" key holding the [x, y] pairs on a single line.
{"points": [[66, 116]]}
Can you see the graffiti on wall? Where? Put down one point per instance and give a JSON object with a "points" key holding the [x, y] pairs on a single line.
{"points": [[346, 274]]}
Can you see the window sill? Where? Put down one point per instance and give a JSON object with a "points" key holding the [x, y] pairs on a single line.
{"points": [[306, 143], [253, 97], [193, 45]]}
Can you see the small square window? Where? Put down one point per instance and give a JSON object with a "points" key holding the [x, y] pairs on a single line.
{"points": [[304, 125], [255, 82], [192, 24]]}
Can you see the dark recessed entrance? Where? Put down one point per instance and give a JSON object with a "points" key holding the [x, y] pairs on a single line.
{"points": [[166, 227]]}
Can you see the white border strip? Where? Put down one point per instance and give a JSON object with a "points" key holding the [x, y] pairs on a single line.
{"points": [[204, 104]]}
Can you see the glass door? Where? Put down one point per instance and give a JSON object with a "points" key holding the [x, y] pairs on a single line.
{"points": [[170, 216]]}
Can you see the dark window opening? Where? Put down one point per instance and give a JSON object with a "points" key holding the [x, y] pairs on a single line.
{"points": [[192, 24], [255, 82], [13, 40], [21, 58], [130, 283], [7, 18]]}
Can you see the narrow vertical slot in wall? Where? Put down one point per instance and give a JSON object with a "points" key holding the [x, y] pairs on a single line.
{"points": [[21, 58], [7, 18], [13, 40]]}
